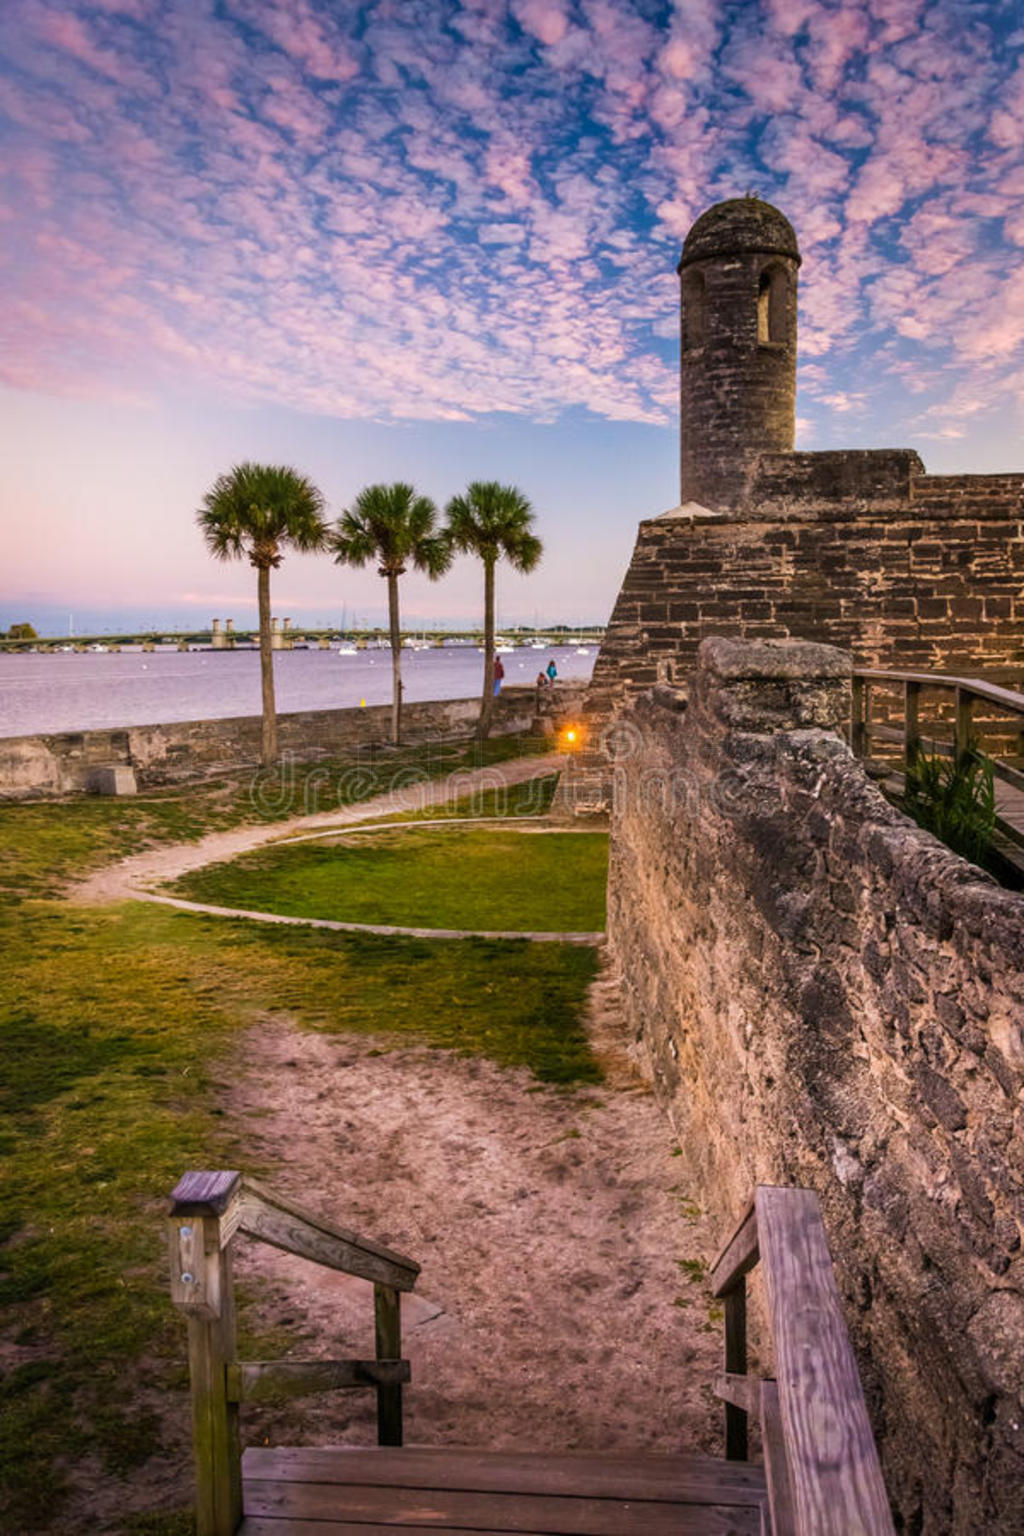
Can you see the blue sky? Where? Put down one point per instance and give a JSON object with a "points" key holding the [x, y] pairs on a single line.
{"points": [[437, 241]]}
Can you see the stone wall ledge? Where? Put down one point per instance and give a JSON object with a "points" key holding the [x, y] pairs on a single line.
{"points": [[939, 505], [828, 996], [178, 751]]}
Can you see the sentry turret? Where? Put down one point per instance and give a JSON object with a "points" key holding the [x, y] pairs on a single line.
{"points": [[738, 276]]}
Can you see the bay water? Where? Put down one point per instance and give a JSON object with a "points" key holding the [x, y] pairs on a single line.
{"points": [[47, 693]]}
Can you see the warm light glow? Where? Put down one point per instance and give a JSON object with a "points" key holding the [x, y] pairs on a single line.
{"points": [[570, 735]]}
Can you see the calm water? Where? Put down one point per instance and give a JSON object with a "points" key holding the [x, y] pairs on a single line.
{"points": [[75, 693]]}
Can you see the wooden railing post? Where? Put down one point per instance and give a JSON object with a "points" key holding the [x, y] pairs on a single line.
{"points": [[860, 704], [201, 1227], [729, 1285], [911, 725], [964, 717], [736, 1364], [387, 1316]]}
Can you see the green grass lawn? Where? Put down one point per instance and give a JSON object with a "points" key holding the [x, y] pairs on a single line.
{"points": [[447, 877], [118, 1028], [45, 843]]}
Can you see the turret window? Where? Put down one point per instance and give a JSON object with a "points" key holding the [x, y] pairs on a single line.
{"points": [[694, 310], [772, 303]]}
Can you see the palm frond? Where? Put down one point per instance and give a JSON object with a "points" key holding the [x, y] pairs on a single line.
{"points": [[394, 525], [492, 521], [256, 509], [352, 541]]}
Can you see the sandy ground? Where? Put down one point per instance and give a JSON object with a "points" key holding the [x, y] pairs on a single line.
{"points": [[551, 1312]]}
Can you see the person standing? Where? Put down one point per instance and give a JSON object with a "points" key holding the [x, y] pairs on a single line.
{"points": [[499, 674], [552, 670]]}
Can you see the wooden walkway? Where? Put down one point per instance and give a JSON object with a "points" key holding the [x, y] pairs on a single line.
{"points": [[350, 1492]]}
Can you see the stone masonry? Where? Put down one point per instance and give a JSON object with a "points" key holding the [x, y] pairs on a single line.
{"points": [[916, 571], [191, 749], [824, 995], [738, 276], [860, 548]]}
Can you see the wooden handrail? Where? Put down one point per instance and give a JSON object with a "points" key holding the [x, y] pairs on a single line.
{"points": [[966, 691], [976, 687], [207, 1210], [821, 1463]]}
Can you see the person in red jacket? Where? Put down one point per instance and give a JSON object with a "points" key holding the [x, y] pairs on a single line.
{"points": [[499, 675]]}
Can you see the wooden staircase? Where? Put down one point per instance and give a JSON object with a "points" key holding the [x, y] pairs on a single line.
{"points": [[335, 1492], [820, 1475]]}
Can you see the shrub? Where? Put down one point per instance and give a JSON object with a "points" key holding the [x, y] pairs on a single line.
{"points": [[956, 801]]}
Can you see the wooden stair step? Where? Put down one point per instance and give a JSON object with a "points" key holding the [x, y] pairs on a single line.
{"points": [[352, 1492]]}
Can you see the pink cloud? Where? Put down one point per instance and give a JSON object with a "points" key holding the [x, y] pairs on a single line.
{"points": [[546, 20], [311, 39], [440, 220]]}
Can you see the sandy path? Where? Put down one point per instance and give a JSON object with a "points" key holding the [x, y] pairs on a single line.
{"points": [[552, 1310], [390, 930], [139, 872]]}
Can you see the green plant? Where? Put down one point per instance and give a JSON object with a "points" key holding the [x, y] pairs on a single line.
{"points": [[396, 527], [491, 521], [258, 511], [955, 799]]}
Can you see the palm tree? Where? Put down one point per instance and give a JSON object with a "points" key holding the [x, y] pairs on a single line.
{"points": [[395, 526], [493, 521], [256, 511]]}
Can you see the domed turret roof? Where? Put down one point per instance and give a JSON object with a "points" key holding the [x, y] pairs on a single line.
{"points": [[738, 225]]}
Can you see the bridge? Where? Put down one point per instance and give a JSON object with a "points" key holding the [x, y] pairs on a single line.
{"points": [[287, 637]]}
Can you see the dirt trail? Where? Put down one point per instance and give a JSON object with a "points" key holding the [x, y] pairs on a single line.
{"points": [[553, 1309], [140, 871]]}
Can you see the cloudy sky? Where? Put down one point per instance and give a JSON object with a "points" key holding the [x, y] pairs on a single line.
{"points": [[436, 240]]}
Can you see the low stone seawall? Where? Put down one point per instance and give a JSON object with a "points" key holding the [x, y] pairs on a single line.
{"points": [[167, 754], [824, 995]]}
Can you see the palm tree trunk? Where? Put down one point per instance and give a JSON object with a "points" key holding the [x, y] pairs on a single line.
{"points": [[483, 729], [396, 659], [269, 739]]}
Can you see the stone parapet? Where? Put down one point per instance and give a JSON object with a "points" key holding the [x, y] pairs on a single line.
{"points": [[871, 476], [65, 763], [935, 584], [827, 996]]}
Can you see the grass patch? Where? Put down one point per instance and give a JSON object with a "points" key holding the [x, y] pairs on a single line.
{"points": [[520, 1004], [448, 878], [532, 798], [43, 844], [105, 1089]]}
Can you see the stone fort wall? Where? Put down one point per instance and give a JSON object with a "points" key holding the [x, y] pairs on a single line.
{"points": [[861, 550], [824, 995]]}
